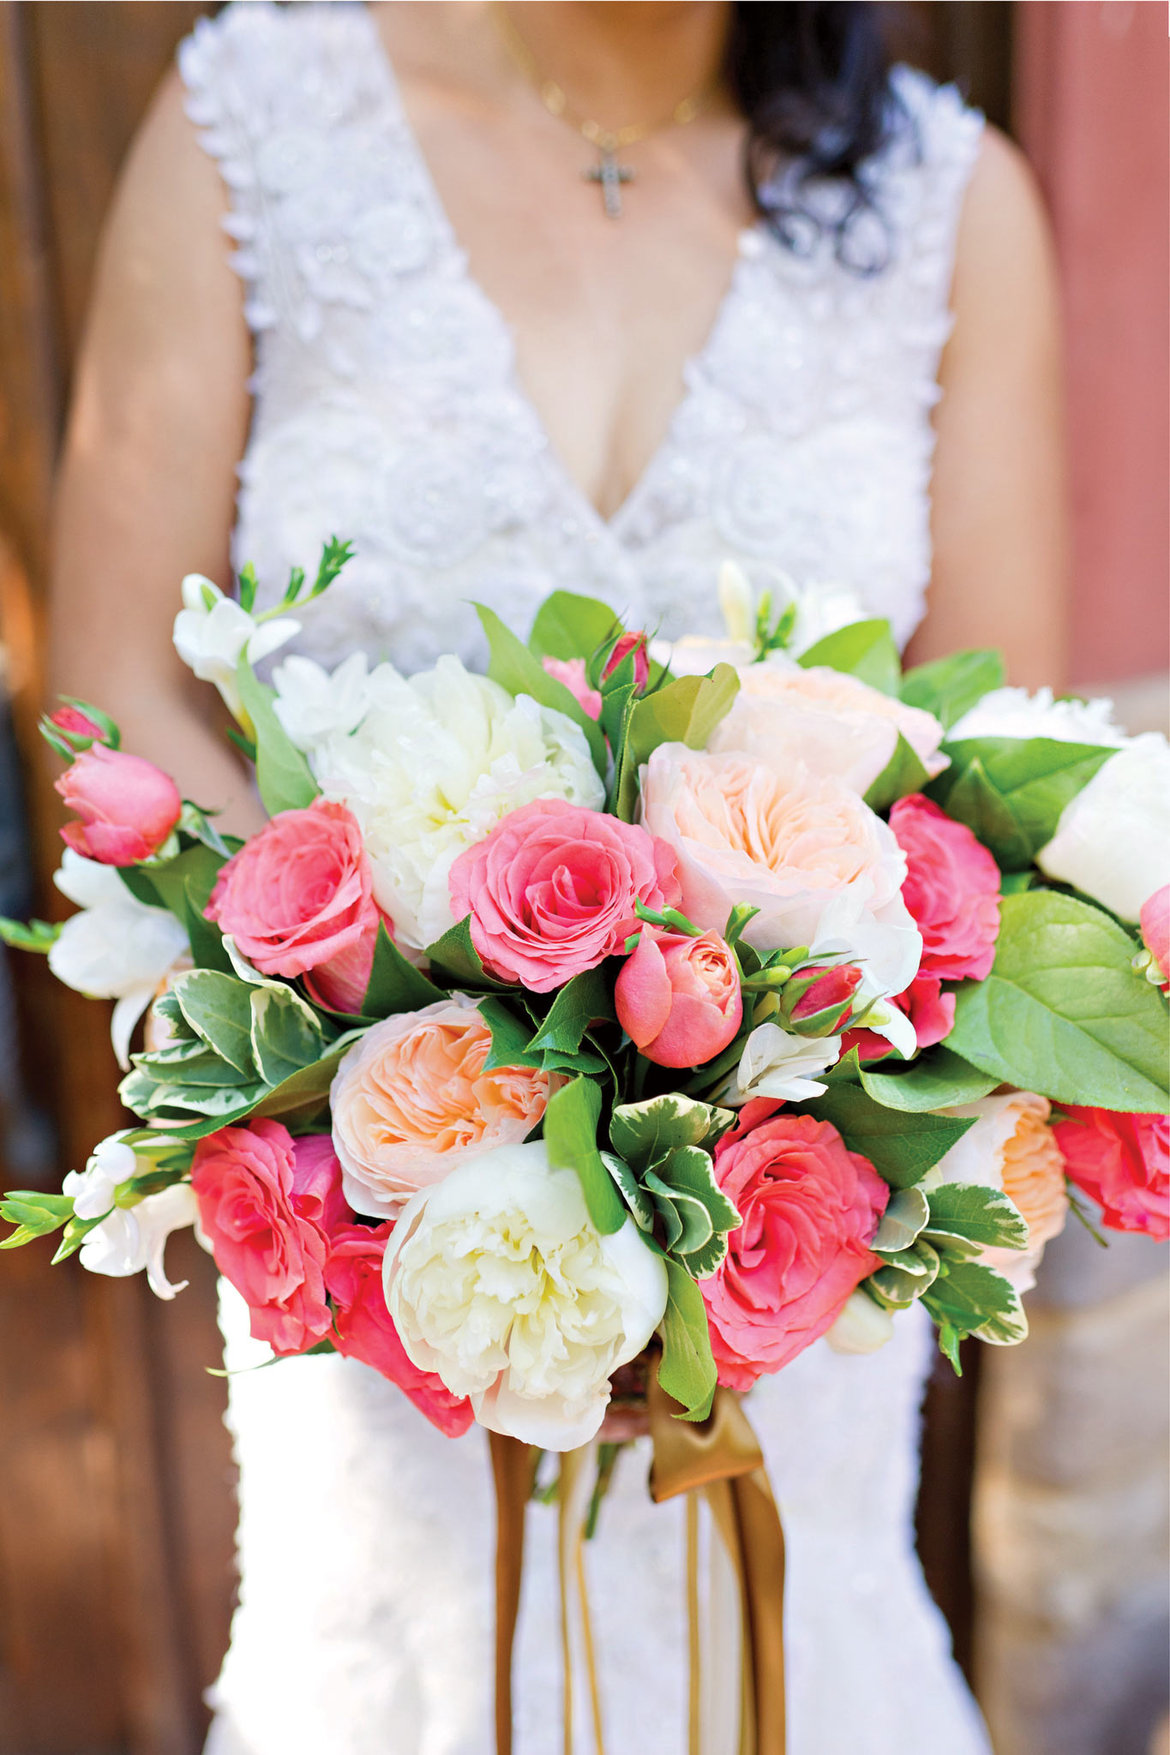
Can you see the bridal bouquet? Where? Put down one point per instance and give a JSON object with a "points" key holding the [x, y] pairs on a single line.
{"points": [[671, 1005]]}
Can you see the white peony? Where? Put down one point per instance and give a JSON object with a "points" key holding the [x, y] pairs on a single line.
{"points": [[211, 631], [1016, 713], [439, 758], [1113, 839], [779, 1063], [498, 1281], [116, 947], [111, 1163], [133, 1238], [314, 704], [1011, 1147]]}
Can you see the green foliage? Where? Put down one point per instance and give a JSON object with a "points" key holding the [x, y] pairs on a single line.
{"points": [[950, 687], [969, 1298], [334, 556], [903, 773], [938, 1079], [902, 1145], [642, 1133], [206, 940], [686, 1370], [570, 626], [520, 671], [34, 1214], [1011, 791], [662, 1163], [282, 773], [456, 962], [513, 1042], [395, 985], [570, 1137], [865, 650], [584, 1000], [902, 1222], [36, 935], [1063, 1011], [217, 1007], [966, 1218], [685, 710]]}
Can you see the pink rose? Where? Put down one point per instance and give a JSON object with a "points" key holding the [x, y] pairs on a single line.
{"points": [[551, 891], [264, 1199], [340, 983], [635, 643], [127, 806], [678, 997], [298, 896], [1155, 925], [413, 1096], [364, 1328], [951, 889], [930, 1010], [810, 1209], [571, 672], [1123, 1162]]}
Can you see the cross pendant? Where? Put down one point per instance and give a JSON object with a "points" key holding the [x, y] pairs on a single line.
{"points": [[611, 175]]}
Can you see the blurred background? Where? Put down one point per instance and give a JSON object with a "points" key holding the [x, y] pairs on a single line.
{"points": [[1043, 1514]]}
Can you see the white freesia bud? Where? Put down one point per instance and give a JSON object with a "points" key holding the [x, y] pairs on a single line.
{"points": [[211, 631], [313, 704], [111, 1163], [116, 947], [862, 1326], [778, 1063], [737, 602], [134, 1238], [499, 1282], [1010, 712], [1113, 839]]}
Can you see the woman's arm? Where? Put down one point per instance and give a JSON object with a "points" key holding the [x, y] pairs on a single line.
{"points": [[147, 481], [999, 514]]}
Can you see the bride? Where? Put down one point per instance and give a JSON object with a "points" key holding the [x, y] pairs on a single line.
{"points": [[498, 302]]}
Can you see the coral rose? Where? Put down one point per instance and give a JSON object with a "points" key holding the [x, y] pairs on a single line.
{"points": [[264, 1199], [1123, 1162], [297, 896], [821, 867], [833, 724], [951, 889], [413, 1097], [1012, 1147], [551, 891], [364, 1329], [127, 806], [810, 1210], [678, 997]]}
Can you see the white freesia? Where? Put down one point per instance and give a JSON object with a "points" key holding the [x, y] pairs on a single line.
{"points": [[116, 947], [737, 602], [821, 610], [134, 1238], [314, 704], [498, 1281], [1011, 712], [211, 631], [862, 1326], [1113, 839], [1011, 1147], [694, 655], [111, 1163], [779, 1063], [439, 758]]}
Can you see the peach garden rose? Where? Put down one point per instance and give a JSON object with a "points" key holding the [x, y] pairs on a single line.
{"points": [[413, 1097], [1013, 1147]]}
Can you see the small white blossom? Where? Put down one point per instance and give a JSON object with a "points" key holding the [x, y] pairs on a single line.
{"points": [[110, 1164], [314, 705], [778, 1063], [134, 1238], [211, 631], [1113, 839]]}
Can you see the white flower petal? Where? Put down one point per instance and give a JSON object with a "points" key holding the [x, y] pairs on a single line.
{"points": [[1113, 838]]}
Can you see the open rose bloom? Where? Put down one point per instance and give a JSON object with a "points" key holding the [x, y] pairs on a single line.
{"points": [[667, 1007]]}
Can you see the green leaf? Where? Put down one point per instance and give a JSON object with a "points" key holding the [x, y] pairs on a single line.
{"points": [[949, 687], [456, 960], [36, 935], [1062, 1011], [1022, 785], [968, 1217], [634, 1195], [395, 985], [34, 1214], [973, 1299], [570, 1137], [903, 773], [686, 1370], [519, 671], [643, 1133], [217, 1008], [901, 1223], [900, 1144], [906, 1275], [175, 883], [308, 1088], [864, 649], [580, 1002], [510, 1035], [72, 1237], [204, 937], [938, 1079], [686, 710], [282, 773], [190, 1063], [569, 626], [285, 1033]]}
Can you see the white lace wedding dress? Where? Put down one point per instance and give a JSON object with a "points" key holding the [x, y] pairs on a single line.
{"points": [[388, 410]]}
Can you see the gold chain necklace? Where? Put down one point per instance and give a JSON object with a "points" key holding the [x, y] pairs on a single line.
{"points": [[608, 173]]}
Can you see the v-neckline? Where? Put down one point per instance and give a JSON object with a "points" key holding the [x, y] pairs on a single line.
{"points": [[750, 239]]}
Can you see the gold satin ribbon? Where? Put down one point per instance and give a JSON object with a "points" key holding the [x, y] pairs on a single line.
{"points": [[719, 1458]]}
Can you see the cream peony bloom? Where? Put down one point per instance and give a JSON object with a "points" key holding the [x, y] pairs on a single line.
{"points": [[1113, 839], [437, 761], [211, 631], [134, 1238], [314, 704], [498, 1281], [116, 947], [822, 868], [832, 723], [1012, 1147]]}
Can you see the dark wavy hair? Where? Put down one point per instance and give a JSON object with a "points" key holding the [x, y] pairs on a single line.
{"points": [[813, 81]]}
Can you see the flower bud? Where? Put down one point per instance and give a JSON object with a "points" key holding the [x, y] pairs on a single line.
{"points": [[678, 998], [1155, 925], [635, 643], [127, 807], [817, 1001]]}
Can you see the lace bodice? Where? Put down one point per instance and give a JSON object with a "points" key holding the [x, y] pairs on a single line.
{"points": [[388, 407], [388, 410]]}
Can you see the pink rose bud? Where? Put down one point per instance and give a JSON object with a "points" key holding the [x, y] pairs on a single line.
{"points": [[571, 672], [127, 806], [817, 1001], [1155, 925], [678, 997], [635, 643], [76, 723]]}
